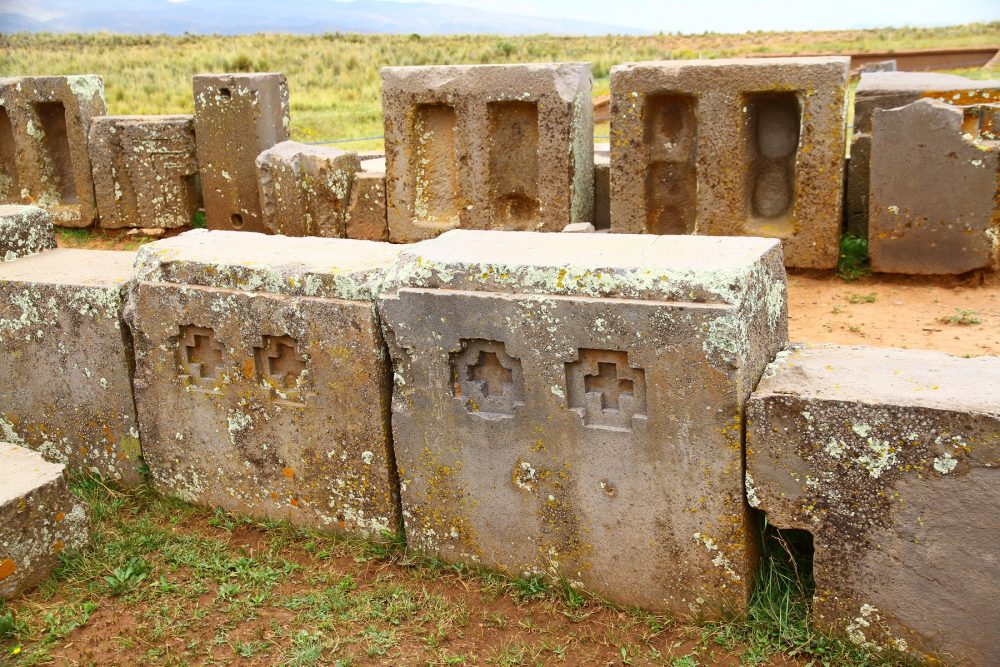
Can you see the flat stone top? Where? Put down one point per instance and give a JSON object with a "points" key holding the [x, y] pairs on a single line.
{"points": [[874, 83], [918, 378], [209, 77], [302, 266], [18, 210], [71, 266], [795, 61], [513, 82], [22, 471], [717, 268], [155, 118], [291, 149]]}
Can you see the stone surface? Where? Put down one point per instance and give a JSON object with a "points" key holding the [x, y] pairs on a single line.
{"points": [[44, 159], [738, 147], [579, 228], [65, 357], [236, 116], [602, 186], [887, 90], [270, 348], [24, 230], [145, 170], [935, 189], [487, 147], [366, 213], [39, 517], [890, 459], [305, 190], [566, 407]]}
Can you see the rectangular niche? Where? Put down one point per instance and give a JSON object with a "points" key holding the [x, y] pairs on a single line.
{"points": [[435, 165], [773, 127], [513, 162], [10, 183], [670, 135], [55, 142]]}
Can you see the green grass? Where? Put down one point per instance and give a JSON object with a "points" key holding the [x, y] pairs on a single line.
{"points": [[854, 262], [962, 317]]}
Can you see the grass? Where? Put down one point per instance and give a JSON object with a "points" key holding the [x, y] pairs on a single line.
{"points": [[962, 317], [861, 298], [853, 263], [166, 583]]}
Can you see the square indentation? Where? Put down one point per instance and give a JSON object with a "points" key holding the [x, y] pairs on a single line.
{"points": [[486, 379], [605, 390]]}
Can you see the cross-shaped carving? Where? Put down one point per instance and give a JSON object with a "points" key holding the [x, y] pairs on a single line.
{"points": [[608, 385], [202, 353], [282, 361], [490, 374]]}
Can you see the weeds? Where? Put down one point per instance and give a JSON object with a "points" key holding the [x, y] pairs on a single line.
{"points": [[126, 578], [853, 263], [861, 298], [962, 317]]}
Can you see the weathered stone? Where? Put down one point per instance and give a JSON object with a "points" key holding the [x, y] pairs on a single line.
{"points": [[44, 160], [236, 116], [935, 190], [879, 66], [568, 407], [732, 147], [39, 517], [145, 170], [890, 458], [487, 147], [65, 378], [579, 228], [24, 230], [366, 212], [270, 348], [602, 187], [887, 90]]}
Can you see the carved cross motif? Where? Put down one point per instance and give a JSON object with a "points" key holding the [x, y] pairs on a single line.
{"points": [[490, 374], [486, 379], [606, 390], [202, 354], [281, 361], [607, 383]]}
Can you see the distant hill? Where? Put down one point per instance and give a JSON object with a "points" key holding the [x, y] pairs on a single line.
{"points": [[230, 17]]}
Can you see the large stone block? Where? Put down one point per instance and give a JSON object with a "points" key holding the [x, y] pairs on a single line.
{"points": [[935, 189], [887, 90], [732, 147], [44, 159], [487, 147], [236, 116], [569, 404], [39, 517], [24, 230], [270, 349], [145, 170], [890, 458], [65, 360], [366, 212], [306, 190], [602, 187]]}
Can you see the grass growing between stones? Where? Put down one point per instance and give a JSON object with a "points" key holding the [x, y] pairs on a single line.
{"points": [[166, 583], [853, 262]]}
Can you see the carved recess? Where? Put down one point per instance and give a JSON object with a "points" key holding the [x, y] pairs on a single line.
{"points": [[282, 368], [605, 390], [199, 357], [486, 379]]}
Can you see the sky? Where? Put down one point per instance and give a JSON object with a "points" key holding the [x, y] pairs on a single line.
{"points": [[746, 15]]}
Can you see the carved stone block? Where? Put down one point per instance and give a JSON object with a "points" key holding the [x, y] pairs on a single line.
{"points": [[24, 230]]}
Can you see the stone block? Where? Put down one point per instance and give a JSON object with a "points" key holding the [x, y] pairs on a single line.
{"points": [[566, 407], [270, 348], [305, 190], [65, 360], [935, 189], [602, 187], [743, 147], [889, 458], [579, 228], [24, 230], [366, 211], [505, 147], [145, 170], [44, 158], [236, 116], [887, 90], [39, 518]]}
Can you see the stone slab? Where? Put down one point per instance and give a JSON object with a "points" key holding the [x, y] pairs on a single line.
{"points": [[44, 156], [890, 459], [65, 360], [564, 407], [39, 518], [270, 347], [739, 147], [145, 171], [24, 230], [366, 212], [602, 187], [935, 189], [487, 147], [236, 116]]}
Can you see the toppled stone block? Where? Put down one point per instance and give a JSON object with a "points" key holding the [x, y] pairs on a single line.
{"points": [[24, 230], [366, 212], [270, 348], [563, 407], [738, 147], [505, 147], [44, 158], [935, 190], [145, 170], [39, 518], [890, 459], [236, 116], [305, 190], [887, 90], [579, 228], [65, 360]]}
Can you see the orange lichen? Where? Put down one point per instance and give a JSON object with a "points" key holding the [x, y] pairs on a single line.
{"points": [[7, 568], [289, 473], [60, 516]]}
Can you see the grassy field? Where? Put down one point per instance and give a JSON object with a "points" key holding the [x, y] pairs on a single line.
{"points": [[334, 78]]}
